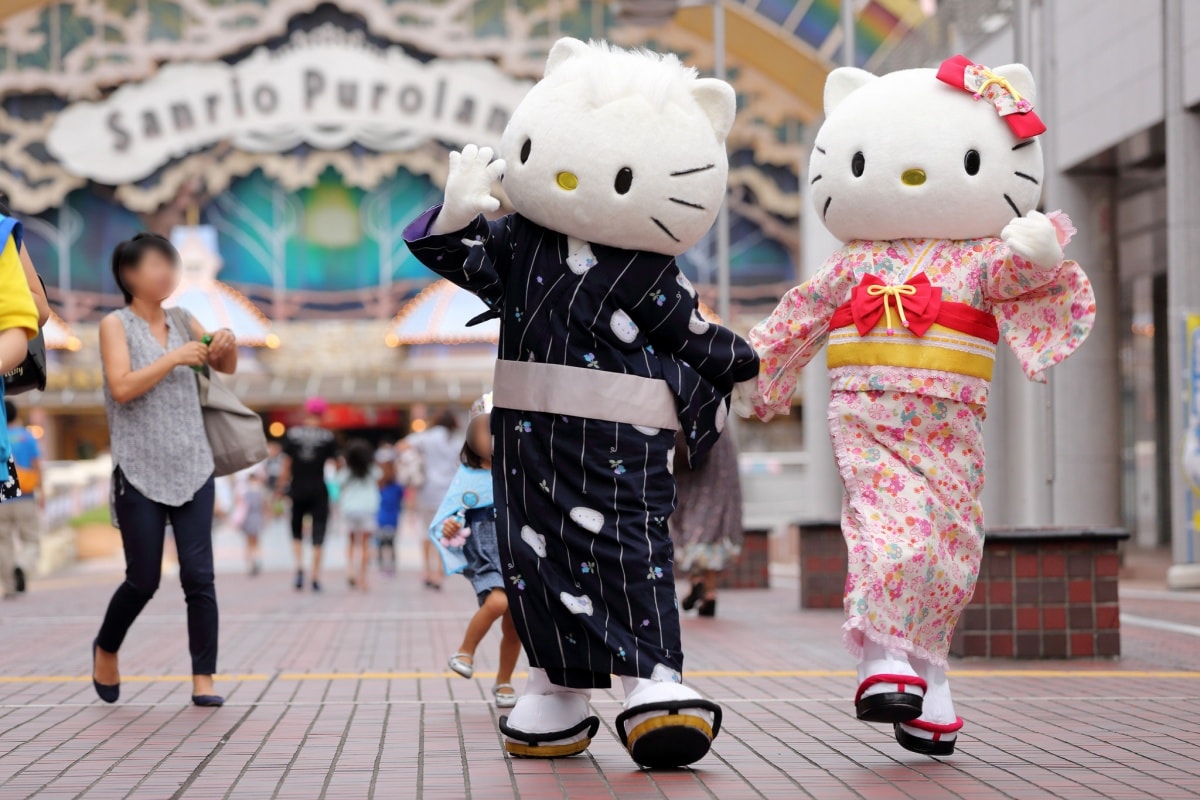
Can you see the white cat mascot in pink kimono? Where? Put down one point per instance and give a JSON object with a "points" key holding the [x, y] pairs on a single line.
{"points": [[931, 179]]}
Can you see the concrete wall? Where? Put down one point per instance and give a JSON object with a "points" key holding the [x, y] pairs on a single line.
{"points": [[1191, 47], [1108, 72]]}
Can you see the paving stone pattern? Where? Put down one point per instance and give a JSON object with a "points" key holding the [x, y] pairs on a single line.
{"points": [[343, 695]]}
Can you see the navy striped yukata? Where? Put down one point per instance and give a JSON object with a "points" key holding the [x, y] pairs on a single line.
{"points": [[582, 503]]}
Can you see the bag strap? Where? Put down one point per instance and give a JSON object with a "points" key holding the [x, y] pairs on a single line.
{"points": [[183, 320]]}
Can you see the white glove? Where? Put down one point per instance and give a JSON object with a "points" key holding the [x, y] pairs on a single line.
{"points": [[1034, 239], [742, 401], [468, 189]]}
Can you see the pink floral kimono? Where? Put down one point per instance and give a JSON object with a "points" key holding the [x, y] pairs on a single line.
{"points": [[912, 327]]}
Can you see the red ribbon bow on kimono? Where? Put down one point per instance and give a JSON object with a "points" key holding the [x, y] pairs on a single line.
{"points": [[979, 81], [917, 304]]}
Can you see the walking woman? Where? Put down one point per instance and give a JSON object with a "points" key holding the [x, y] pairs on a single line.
{"points": [[707, 524], [162, 464]]}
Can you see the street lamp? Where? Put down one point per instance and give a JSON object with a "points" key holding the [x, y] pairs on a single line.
{"points": [[659, 12]]}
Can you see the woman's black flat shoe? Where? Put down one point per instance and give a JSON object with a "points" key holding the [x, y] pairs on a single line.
{"points": [[708, 607], [208, 700], [695, 597], [109, 694]]}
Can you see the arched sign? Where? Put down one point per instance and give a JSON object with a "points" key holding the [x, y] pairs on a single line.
{"points": [[326, 88]]}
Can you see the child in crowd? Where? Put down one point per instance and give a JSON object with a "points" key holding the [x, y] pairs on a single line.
{"points": [[358, 492], [250, 512], [464, 529], [387, 521]]}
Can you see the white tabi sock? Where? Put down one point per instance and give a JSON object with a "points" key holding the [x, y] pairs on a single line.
{"points": [[938, 706], [878, 660]]}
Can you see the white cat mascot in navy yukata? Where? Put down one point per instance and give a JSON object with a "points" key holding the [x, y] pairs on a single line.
{"points": [[615, 163]]}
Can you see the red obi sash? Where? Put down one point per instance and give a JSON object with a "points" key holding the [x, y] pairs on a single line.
{"points": [[917, 305], [933, 334]]}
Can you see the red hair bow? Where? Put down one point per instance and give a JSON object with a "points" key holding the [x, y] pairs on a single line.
{"points": [[976, 79]]}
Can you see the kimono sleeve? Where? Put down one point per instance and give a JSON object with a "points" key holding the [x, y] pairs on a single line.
{"points": [[1044, 314], [788, 340], [477, 258], [668, 315]]}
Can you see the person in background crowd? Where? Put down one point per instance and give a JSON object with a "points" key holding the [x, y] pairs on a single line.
{"points": [[707, 524], [21, 519], [250, 512], [162, 462], [387, 521], [358, 483], [439, 448], [36, 290], [306, 449], [19, 322], [272, 468]]}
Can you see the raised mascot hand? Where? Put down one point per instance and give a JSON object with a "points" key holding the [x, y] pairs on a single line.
{"points": [[468, 188]]}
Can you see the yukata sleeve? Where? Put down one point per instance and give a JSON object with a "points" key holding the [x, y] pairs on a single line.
{"points": [[666, 312], [477, 258], [1044, 313], [788, 340]]}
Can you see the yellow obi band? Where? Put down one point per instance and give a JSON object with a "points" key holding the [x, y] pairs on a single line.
{"points": [[941, 348]]}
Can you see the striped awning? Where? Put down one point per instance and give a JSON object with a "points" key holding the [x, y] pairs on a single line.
{"points": [[439, 315]]}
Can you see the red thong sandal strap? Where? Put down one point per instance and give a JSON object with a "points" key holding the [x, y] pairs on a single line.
{"points": [[936, 728], [900, 680]]}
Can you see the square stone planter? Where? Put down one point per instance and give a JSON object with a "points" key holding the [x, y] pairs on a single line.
{"points": [[1044, 593]]}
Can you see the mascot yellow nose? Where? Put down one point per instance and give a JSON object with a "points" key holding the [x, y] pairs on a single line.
{"points": [[913, 177], [567, 180]]}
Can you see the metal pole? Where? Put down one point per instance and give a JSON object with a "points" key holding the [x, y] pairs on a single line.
{"points": [[1183, 288], [723, 268], [1022, 31], [848, 33]]}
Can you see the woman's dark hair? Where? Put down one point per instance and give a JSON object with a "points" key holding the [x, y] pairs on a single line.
{"points": [[469, 457], [447, 420], [360, 457], [130, 253]]}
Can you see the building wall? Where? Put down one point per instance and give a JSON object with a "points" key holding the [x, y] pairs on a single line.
{"points": [[1191, 48], [1102, 104]]}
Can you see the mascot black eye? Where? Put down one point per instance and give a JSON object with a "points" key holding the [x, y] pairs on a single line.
{"points": [[971, 162], [525, 148], [624, 180], [858, 164]]}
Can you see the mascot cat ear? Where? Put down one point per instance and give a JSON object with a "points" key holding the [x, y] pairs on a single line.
{"points": [[718, 101], [842, 82], [563, 51], [1021, 79]]}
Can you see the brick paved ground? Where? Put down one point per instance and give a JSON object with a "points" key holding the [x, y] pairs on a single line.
{"points": [[342, 695]]}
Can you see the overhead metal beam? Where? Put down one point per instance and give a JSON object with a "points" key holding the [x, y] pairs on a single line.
{"points": [[767, 49]]}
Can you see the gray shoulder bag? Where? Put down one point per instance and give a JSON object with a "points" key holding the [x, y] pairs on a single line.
{"points": [[235, 433]]}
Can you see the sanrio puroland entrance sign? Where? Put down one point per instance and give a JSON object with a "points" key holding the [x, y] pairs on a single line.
{"points": [[326, 88]]}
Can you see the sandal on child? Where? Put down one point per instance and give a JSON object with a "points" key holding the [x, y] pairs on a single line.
{"points": [[902, 705], [928, 738], [505, 694], [460, 667]]}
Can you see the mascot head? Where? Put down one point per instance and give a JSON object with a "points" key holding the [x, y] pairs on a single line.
{"points": [[921, 153], [620, 148]]}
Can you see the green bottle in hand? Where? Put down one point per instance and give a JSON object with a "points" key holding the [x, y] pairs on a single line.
{"points": [[206, 340]]}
